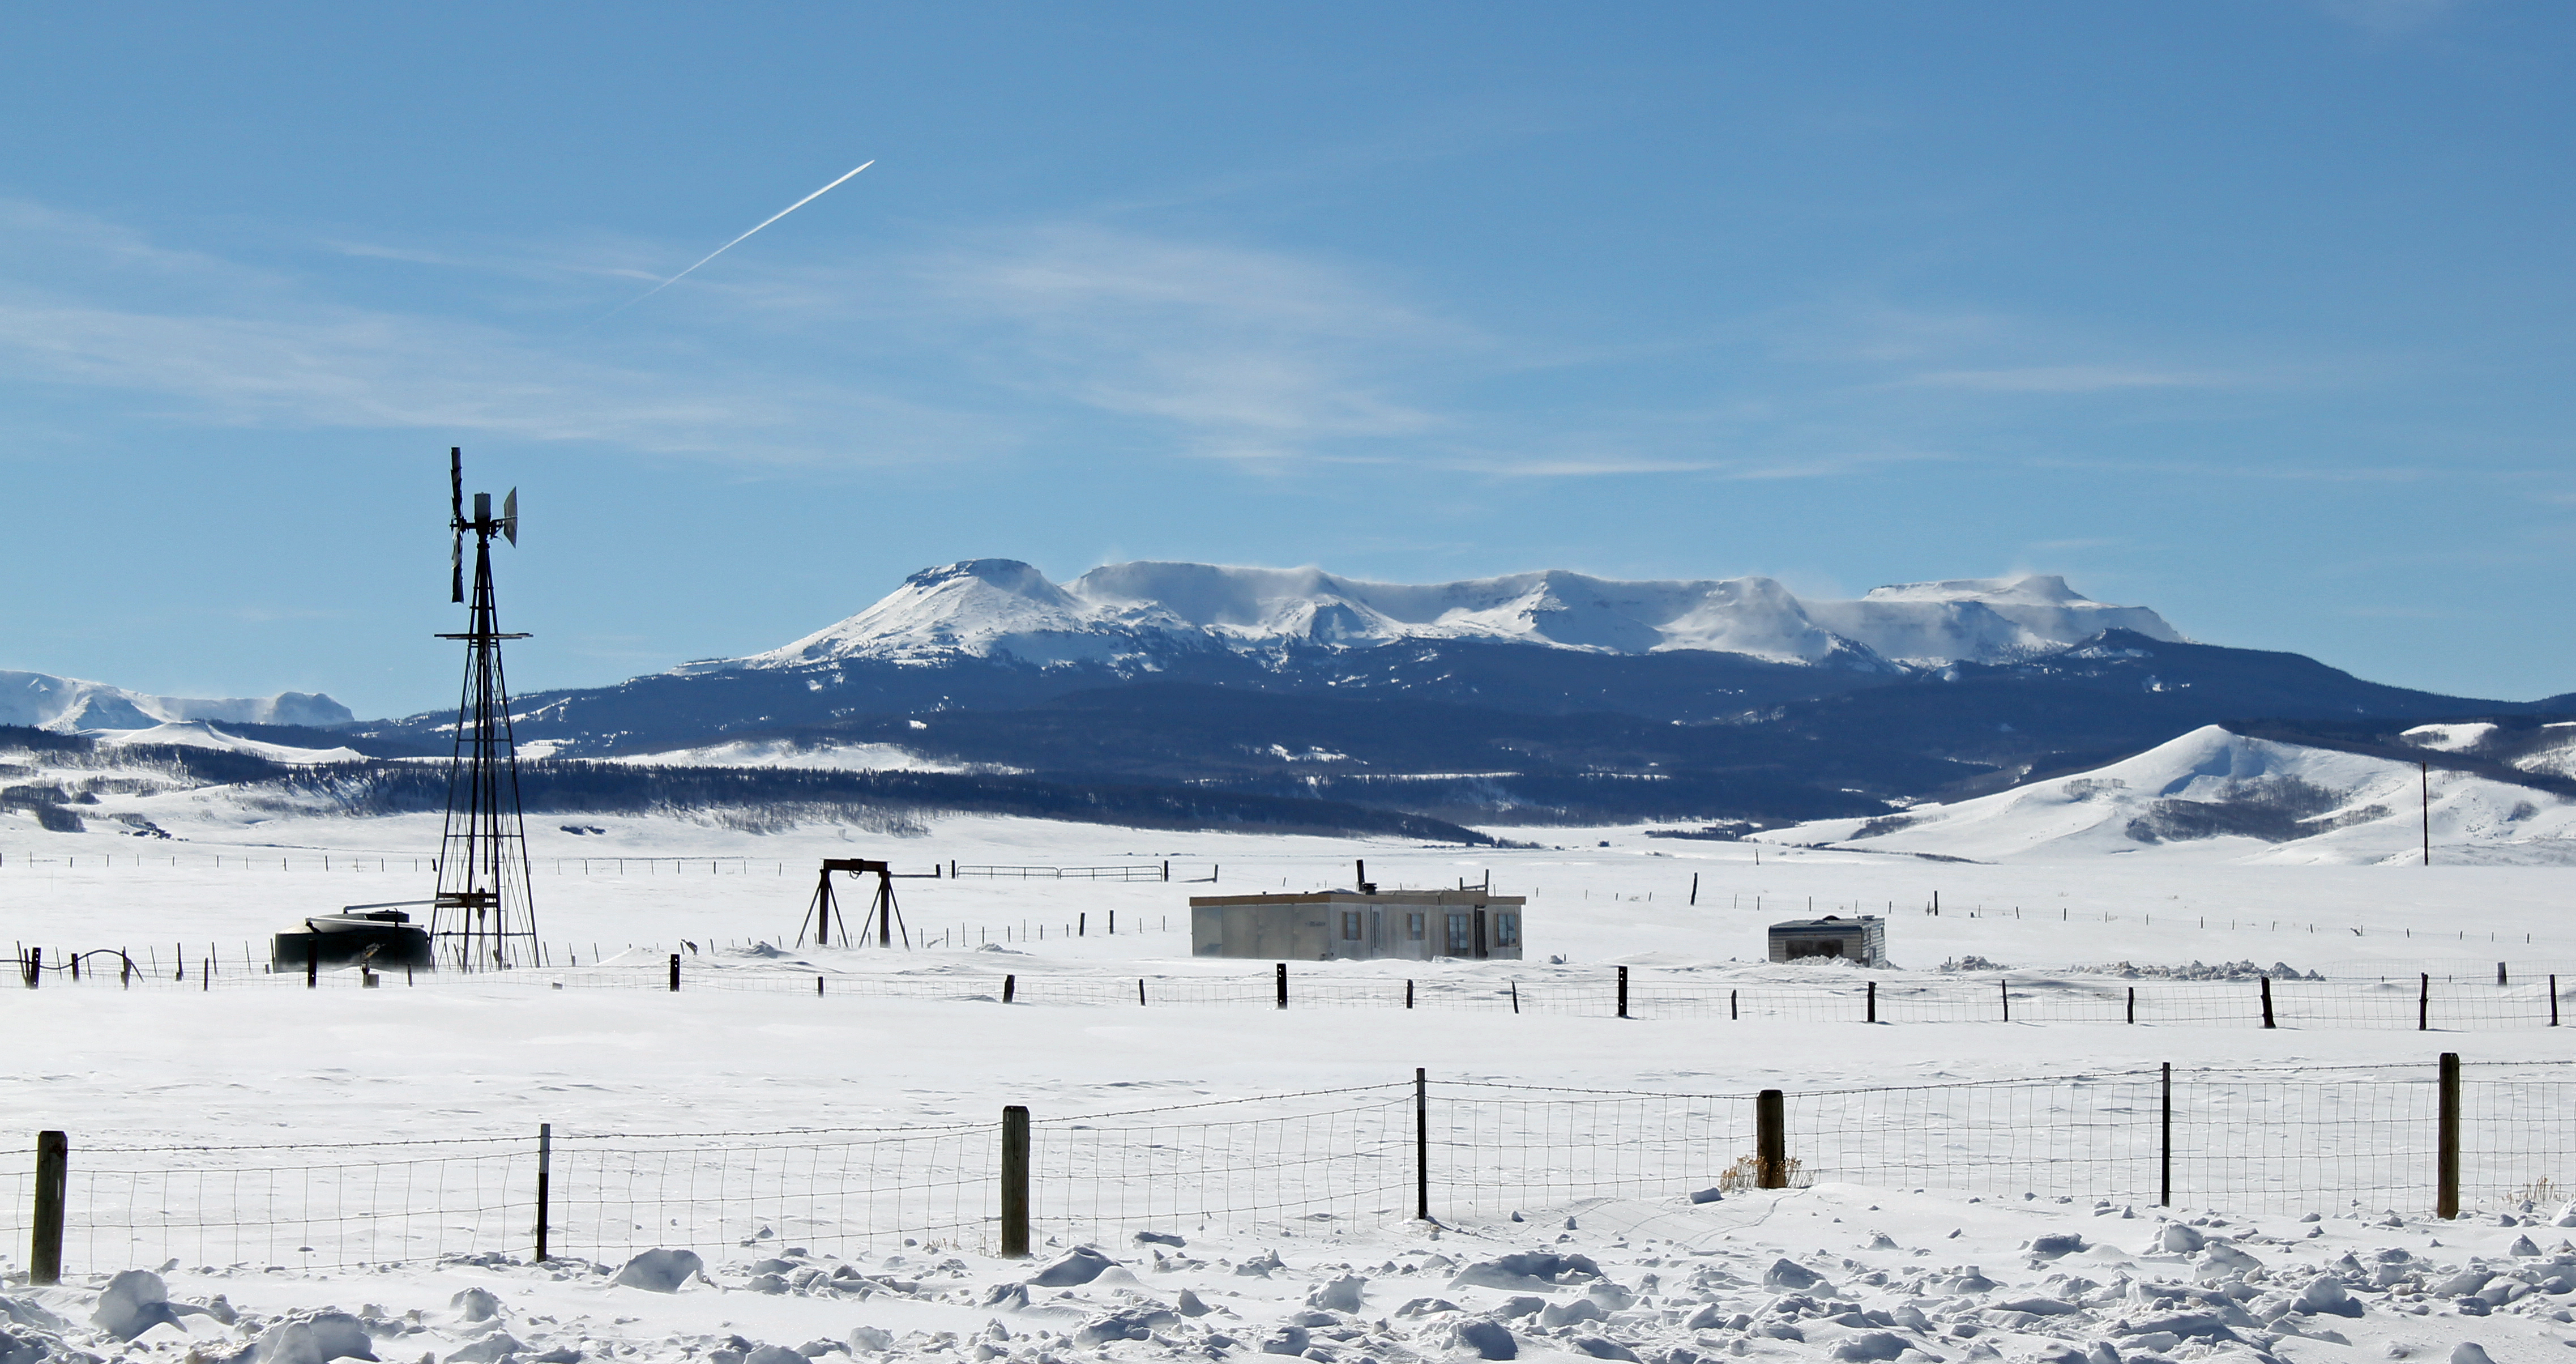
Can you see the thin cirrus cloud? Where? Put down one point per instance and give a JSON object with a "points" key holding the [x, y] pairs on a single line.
{"points": [[1056, 334]]}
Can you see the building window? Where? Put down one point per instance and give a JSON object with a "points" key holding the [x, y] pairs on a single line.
{"points": [[1462, 935], [1350, 925], [1507, 929], [1413, 925]]}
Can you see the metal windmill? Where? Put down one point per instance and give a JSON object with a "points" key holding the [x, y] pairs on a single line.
{"points": [[482, 918]]}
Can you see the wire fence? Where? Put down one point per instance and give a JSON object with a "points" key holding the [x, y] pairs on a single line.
{"points": [[1323, 1163], [2421, 1002]]}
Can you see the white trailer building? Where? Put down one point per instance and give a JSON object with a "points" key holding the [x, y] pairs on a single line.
{"points": [[1357, 925]]}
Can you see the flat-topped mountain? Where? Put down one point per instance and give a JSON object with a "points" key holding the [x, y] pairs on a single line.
{"points": [[1007, 610]]}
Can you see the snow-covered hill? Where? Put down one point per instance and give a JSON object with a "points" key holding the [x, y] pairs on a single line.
{"points": [[988, 608], [68, 704], [2213, 792]]}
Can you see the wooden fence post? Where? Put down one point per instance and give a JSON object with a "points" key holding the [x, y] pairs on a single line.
{"points": [[1010, 987], [1623, 992], [2133, 1004], [675, 973], [2446, 1160], [2553, 1001], [1873, 1002], [545, 1182], [2267, 1001], [2005, 987], [53, 1162], [1408, 994], [1421, 1146], [2164, 1149], [1771, 1140], [34, 963], [2424, 1003], [1015, 1182]]}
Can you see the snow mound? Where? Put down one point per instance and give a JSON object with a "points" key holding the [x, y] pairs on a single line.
{"points": [[1002, 608], [2215, 793], [821, 757], [199, 734]]}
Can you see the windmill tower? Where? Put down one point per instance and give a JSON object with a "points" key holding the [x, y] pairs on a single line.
{"points": [[482, 919]]}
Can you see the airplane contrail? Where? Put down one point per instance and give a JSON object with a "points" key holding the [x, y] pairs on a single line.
{"points": [[728, 246]]}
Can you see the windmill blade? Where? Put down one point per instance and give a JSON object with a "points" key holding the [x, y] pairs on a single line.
{"points": [[510, 516], [456, 566], [455, 483]]}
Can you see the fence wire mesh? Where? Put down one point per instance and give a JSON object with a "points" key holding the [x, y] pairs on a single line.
{"points": [[1322, 1163]]}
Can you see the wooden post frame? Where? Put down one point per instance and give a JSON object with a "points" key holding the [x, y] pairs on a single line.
{"points": [[1015, 1182], [53, 1179], [1771, 1140], [2446, 1159]]}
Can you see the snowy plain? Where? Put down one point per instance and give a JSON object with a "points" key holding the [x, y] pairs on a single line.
{"points": [[1670, 1281]]}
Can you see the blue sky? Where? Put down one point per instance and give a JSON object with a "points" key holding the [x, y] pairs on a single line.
{"points": [[2256, 312]]}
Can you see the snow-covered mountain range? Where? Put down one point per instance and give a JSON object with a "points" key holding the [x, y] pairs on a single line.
{"points": [[1008, 610], [67, 704]]}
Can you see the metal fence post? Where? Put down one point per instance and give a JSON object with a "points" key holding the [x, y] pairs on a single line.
{"points": [[1283, 985], [1421, 1146], [1873, 1002], [2267, 1001], [675, 973], [1623, 992], [2446, 1194], [2553, 1001], [2424, 1003], [545, 1182], [1015, 1182], [1771, 1140], [2164, 1149], [53, 1161]]}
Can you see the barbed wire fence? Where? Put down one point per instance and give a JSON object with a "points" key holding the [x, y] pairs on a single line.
{"points": [[1327, 1163], [2419, 1003]]}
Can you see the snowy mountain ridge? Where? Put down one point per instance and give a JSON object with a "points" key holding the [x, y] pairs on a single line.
{"points": [[2220, 795], [1002, 608], [70, 704]]}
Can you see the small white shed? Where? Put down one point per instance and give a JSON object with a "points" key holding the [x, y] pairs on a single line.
{"points": [[1862, 940]]}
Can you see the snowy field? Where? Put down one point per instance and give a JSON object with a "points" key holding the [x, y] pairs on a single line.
{"points": [[1918, 1258]]}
